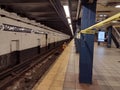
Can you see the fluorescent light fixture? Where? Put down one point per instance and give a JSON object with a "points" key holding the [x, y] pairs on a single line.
{"points": [[101, 15], [105, 15], [66, 9], [71, 29], [42, 32], [69, 20], [67, 12], [114, 21], [117, 6], [70, 26]]}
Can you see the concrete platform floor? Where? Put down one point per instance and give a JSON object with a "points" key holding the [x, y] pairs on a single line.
{"points": [[63, 75]]}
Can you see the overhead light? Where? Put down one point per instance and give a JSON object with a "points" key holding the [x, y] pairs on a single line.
{"points": [[67, 12], [101, 15], [114, 21], [66, 9], [71, 29], [117, 6], [69, 20], [105, 15], [70, 26]]}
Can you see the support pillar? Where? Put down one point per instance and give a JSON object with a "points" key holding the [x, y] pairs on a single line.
{"points": [[78, 36], [87, 43], [109, 36]]}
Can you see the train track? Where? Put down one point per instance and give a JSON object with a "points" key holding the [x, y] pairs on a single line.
{"points": [[17, 71]]}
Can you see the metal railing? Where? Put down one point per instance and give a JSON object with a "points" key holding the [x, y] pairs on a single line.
{"points": [[116, 34]]}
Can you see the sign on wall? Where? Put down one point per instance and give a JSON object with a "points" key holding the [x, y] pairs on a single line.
{"points": [[101, 36]]}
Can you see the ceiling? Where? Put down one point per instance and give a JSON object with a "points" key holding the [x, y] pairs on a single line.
{"points": [[51, 13], [107, 7], [47, 12]]}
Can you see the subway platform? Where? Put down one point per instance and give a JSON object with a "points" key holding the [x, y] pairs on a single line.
{"points": [[64, 73]]}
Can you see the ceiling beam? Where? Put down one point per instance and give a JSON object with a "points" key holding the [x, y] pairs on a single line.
{"points": [[22, 1], [59, 9], [42, 15], [49, 12], [48, 18], [41, 12], [108, 11], [87, 1], [78, 10]]}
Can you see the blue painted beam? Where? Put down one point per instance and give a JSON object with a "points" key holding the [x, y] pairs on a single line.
{"points": [[109, 37], [87, 44], [87, 1]]}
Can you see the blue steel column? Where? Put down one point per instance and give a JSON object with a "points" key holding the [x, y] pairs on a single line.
{"points": [[87, 44], [77, 39], [109, 36]]}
